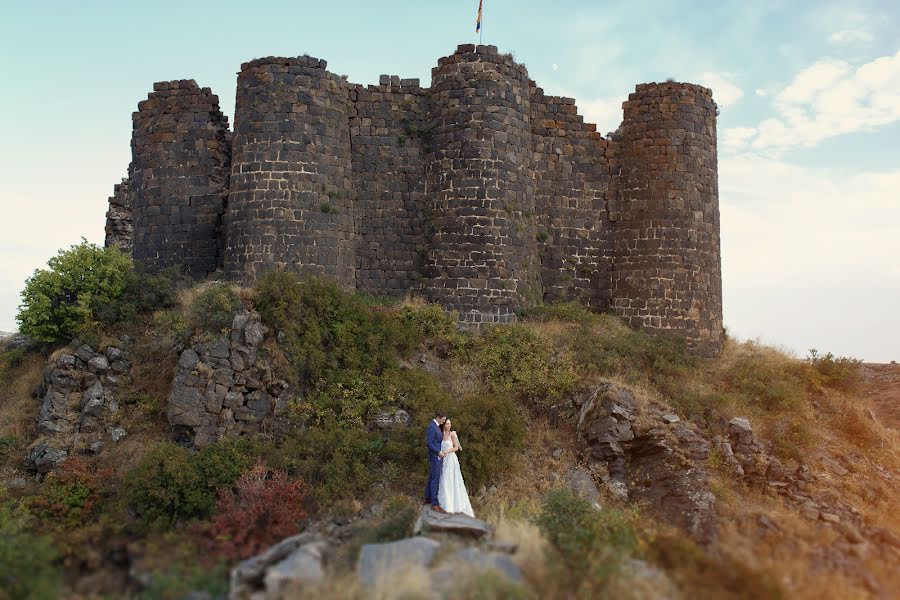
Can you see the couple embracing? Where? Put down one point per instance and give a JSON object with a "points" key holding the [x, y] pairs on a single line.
{"points": [[445, 490]]}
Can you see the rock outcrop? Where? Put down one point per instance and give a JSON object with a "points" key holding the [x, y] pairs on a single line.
{"points": [[78, 396], [284, 570], [225, 388], [655, 458]]}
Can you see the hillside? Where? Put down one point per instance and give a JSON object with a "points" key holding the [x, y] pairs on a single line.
{"points": [[203, 424]]}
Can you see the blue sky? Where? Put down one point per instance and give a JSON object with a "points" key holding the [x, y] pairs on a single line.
{"points": [[809, 129]]}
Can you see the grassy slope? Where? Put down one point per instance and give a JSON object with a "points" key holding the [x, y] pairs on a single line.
{"points": [[789, 404]]}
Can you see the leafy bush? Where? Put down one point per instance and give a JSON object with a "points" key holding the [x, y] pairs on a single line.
{"points": [[340, 347], [514, 359], [573, 312], [212, 310], [397, 521], [144, 292], [589, 541], [7, 446], [59, 302], [71, 494], [186, 582], [771, 381], [169, 485], [171, 330], [838, 372], [491, 435], [26, 560], [266, 508]]}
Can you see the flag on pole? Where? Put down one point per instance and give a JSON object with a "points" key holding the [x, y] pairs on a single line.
{"points": [[478, 22]]}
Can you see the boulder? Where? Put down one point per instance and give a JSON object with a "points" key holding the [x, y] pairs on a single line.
{"points": [[248, 578], [379, 560], [583, 484], [485, 561], [390, 418], [43, 458], [302, 568], [457, 524]]}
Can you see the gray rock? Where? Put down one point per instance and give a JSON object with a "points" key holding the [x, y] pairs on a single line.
{"points": [[254, 333], [96, 447], [98, 364], [220, 349], [85, 352], [740, 423], [501, 563], [114, 354], [301, 569], [248, 577], [671, 418], [17, 483], [188, 359], [381, 559], [66, 361], [116, 433], [387, 419], [92, 401], [457, 524], [557, 454], [43, 458], [583, 484]]}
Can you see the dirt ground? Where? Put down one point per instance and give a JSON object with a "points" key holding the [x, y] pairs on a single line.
{"points": [[881, 384]]}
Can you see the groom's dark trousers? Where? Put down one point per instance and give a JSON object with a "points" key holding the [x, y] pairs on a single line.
{"points": [[433, 439]]}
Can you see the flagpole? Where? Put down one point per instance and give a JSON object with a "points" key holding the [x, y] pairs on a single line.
{"points": [[481, 29]]}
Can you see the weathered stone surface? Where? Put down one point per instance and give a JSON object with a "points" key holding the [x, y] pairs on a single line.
{"points": [[380, 560], [582, 483], [44, 458], [292, 562], [210, 398], [457, 524], [387, 419], [475, 558]]}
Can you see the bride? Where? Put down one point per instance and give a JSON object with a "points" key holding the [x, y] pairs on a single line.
{"points": [[452, 495]]}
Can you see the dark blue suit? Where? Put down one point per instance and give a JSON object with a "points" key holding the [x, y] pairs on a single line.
{"points": [[433, 439]]}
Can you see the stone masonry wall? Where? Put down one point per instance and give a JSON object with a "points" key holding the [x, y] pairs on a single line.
{"points": [[667, 269], [291, 203], [181, 160], [571, 186], [482, 259], [481, 192], [389, 140], [119, 225]]}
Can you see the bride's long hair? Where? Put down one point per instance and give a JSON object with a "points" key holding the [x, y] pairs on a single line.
{"points": [[445, 426]]}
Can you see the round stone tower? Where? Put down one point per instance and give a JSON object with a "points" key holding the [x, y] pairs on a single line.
{"points": [[290, 204], [666, 265], [179, 177], [483, 259]]}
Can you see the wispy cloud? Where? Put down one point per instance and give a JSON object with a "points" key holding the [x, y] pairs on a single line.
{"points": [[850, 36], [725, 91], [830, 97]]}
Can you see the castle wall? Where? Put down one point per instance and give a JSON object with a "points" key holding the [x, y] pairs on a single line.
{"points": [[667, 275], [291, 202], [571, 185], [389, 140], [482, 259], [178, 177], [119, 225]]}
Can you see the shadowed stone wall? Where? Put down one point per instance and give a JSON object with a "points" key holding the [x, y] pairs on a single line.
{"points": [[667, 269], [181, 159], [119, 226]]}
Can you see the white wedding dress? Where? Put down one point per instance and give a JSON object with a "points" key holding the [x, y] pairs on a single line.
{"points": [[452, 494]]}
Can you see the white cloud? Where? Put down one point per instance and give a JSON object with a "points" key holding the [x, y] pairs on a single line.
{"points": [[831, 98], [850, 36], [761, 92], [725, 91], [555, 67], [735, 139], [809, 255], [606, 113]]}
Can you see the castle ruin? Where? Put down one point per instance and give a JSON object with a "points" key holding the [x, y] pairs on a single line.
{"points": [[480, 192]]}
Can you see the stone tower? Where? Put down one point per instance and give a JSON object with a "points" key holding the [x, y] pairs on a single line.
{"points": [[667, 266]]}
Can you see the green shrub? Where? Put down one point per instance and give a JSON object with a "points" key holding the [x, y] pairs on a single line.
{"points": [[572, 312], [8, 445], [169, 485], [144, 292], [396, 523], [589, 541], [183, 581], [70, 495], [514, 359], [491, 434], [769, 381], [418, 323], [171, 330], [838, 372], [58, 303], [27, 567], [212, 310]]}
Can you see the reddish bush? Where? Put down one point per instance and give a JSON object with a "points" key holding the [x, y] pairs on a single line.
{"points": [[70, 494], [267, 507]]}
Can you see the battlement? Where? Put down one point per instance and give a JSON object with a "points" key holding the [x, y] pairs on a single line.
{"points": [[480, 191]]}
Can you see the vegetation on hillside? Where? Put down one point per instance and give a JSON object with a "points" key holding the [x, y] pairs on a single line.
{"points": [[508, 390]]}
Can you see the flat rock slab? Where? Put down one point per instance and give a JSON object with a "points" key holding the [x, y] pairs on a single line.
{"points": [[457, 523], [381, 559], [484, 561]]}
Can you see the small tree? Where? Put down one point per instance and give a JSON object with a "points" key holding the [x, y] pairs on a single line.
{"points": [[58, 302]]}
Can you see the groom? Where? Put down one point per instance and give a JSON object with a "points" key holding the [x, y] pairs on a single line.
{"points": [[433, 438]]}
